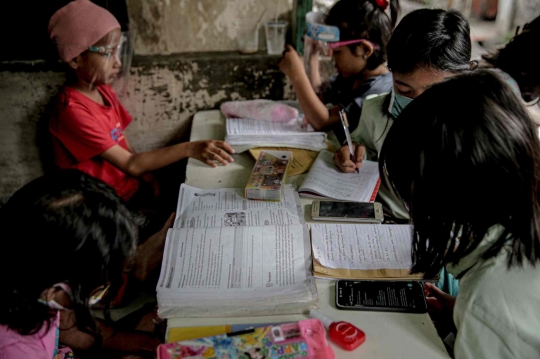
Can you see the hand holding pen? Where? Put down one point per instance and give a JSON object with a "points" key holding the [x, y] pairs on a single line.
{"points": [[353, 159]]}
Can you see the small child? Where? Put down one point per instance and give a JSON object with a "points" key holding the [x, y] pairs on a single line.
{"points": [[465, 157], [67, 239], [89, 122], [359, 57], [426, 47]]}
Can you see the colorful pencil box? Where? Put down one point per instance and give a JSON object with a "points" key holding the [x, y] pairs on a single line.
{"points": [[268, 176], [305, 339]]}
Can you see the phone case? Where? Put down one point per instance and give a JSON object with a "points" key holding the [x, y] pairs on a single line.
{"points": [[303, 339]]}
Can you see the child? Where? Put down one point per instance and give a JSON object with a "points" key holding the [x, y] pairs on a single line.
{"points": [[68, 238], [426, 47], [89, 122], [519, 65], [359, 57], [470, 174]]}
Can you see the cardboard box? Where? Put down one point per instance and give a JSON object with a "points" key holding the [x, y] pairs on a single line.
{"points": [[268, 176]]}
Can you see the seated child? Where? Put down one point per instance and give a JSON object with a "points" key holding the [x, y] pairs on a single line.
{"points": [[426, 47], [88, 126], [465, 157], [359, 57], [70, 236]]}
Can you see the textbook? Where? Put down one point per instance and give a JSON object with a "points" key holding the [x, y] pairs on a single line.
{"points": [[243, 134], [236, 271], [362, 251], [227, 207], [325, 180]]}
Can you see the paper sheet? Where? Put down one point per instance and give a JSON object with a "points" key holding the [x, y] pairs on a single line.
{"points": [[362, 246], [228, 207], [200, 263], [326, 180]]}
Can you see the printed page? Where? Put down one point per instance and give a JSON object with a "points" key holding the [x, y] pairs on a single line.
{"points": [[228, 207], [326, 180], [227, 260], [362, 246], [243, 126]]}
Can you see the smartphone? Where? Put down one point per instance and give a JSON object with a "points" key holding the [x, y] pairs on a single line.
{"points": [[363, 212], [380, 295]]}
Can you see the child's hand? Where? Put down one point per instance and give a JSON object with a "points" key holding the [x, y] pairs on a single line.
{"points": [[291, 63], [209, 151], [440, 305], [342, 158]]}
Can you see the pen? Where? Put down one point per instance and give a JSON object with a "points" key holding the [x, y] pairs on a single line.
{"points": [[345, 123]]}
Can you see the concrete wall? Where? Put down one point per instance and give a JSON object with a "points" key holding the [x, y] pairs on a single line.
{"points": [[162, 95], [177, 26]]}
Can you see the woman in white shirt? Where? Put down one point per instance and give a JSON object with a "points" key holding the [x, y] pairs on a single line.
{"points": [[465, 159]]}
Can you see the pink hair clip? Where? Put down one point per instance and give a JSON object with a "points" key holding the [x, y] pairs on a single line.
{"points": [[382, 4]]}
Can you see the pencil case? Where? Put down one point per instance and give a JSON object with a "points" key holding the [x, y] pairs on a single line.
{"points": [[305, 339]]}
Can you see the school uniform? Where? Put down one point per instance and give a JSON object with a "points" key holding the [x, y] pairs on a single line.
{"points": [[496, 312], [339, 92]]}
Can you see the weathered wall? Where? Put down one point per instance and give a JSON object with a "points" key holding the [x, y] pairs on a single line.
{"points": [[177, 26], [162, 95]]}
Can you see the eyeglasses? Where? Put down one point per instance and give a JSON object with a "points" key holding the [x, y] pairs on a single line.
{"points": [[334, 45], [97, 295], [108, 51]]}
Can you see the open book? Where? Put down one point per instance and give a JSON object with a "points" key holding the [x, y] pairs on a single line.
{"points": [[325, 180], [227, 207], [362, 251], [244, 134], [236, 271]]}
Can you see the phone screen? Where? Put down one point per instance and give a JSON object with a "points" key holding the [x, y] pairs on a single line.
{"points": [[381, 295], [346, 209]]}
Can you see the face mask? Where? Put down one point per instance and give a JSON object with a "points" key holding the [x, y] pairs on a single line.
{"points": [[398, 103], [54, 304]]}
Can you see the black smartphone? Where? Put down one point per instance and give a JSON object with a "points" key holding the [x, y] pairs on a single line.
{"points": [[380, 295]]}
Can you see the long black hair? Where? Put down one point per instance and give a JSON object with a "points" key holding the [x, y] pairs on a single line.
{"points": [[365, 19], [520, 60], [430, 38], [64, 227], [465, 156]]}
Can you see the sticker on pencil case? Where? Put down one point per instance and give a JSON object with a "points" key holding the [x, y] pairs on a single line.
{"points": [[301, 340]]}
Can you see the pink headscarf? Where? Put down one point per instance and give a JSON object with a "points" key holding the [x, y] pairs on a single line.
{"points": [[78, 25]]}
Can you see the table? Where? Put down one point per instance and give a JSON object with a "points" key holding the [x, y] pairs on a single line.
{"points": [[388, 335]]}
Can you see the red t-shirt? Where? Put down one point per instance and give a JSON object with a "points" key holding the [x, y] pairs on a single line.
{"points": [[82, 130]]}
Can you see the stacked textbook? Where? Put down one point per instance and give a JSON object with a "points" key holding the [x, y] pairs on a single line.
{"points": [[244, 134], [228, 256]]}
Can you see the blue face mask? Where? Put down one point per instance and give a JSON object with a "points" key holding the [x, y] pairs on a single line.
{"points": [[398, 103]]}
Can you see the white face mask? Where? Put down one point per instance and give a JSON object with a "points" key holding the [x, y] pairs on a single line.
{"points": [[54, 304]]}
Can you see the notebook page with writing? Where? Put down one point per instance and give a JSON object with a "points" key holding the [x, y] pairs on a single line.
{"points": [[325, 180]]}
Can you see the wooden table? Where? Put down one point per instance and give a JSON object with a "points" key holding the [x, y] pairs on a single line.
{"points": [[388, 335]]}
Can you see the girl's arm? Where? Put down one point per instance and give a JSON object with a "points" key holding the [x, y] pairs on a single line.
{"points": [[315, 111], [128, 144], [137, 164], [313, 62]]}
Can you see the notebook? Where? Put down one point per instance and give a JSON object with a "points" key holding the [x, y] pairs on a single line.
{"points": [[362, 251], [305, 339], [325, 180], [236, 271], [244, 134]]}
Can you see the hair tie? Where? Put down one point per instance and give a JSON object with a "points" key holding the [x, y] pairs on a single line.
{"points": [[382, 4]]}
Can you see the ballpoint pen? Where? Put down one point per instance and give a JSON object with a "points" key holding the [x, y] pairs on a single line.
{"points": [[345, 123]]}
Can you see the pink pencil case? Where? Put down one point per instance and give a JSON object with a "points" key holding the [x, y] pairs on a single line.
{"points": [[305, 339]]}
